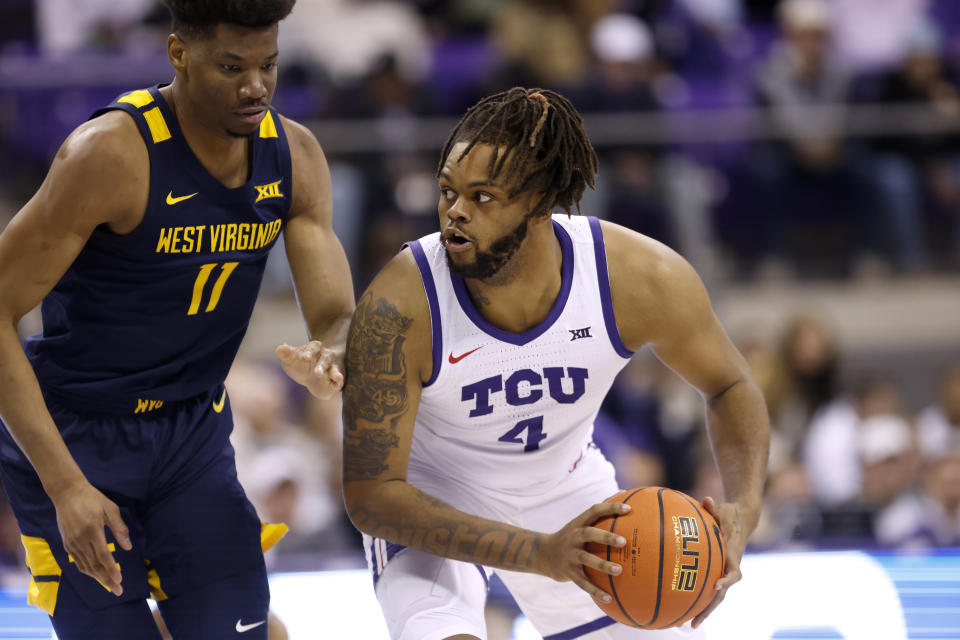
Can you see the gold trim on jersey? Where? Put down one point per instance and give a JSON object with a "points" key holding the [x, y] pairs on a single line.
{"points": [[158, 126], [139, 99], [268, 128], [42, 592]]}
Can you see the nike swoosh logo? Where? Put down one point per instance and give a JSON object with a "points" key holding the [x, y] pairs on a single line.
{"points": [[172, 200], [243, 628], [455, 359], [218, 404]]}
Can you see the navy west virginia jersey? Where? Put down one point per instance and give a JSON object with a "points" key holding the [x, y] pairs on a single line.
{"points": [[158, 314]]}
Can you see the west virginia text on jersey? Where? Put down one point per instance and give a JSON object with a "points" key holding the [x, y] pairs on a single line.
{"points": [[218, 238], [187, 277]]}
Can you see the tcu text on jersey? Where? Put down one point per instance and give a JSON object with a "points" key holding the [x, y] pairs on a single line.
{"points": [[525, 387]]}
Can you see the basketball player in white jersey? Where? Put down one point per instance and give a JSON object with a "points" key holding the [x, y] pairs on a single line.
{"points": [[476, 364]]}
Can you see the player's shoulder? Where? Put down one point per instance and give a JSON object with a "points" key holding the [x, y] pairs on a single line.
{"points": [[108, 138], [399, 282], [395, 302], [635, 260], [103, 163], [300, 138]]}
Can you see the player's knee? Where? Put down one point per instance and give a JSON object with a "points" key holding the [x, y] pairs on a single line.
{"points": [[276, 630]]}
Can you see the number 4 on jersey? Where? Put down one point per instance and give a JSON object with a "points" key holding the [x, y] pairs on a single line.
{"points": [[534, 429]]}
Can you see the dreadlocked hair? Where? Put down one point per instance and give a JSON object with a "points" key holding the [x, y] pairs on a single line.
{"points": [[539, 141], [198, 17]]}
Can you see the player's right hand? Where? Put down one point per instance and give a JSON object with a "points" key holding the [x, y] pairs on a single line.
{"points": [[564, 554], [82, 513]]}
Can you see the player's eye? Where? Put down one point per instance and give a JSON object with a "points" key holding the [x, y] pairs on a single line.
{"points": [[447, 194], [270, 66], [483, 197], [230, 68]]}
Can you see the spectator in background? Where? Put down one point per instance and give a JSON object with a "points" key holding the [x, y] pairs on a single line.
{"points": [[904, 164], [68, 26], [284, 468], [810, 193], [928, 517], [324, 33], [832, 450], [888, 459], [798, 378], [874, 34], [544, 42], [624, 72], [649, 426], [938, 425]]}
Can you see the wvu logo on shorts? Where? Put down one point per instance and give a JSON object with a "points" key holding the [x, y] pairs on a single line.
{"points": [[145, 406], [271, 190], [686, 560]]}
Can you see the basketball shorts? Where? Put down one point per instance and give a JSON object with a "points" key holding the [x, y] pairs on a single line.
{"points": [[426, 597], [172, 474]]}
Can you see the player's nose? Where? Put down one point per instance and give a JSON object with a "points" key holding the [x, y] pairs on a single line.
{"points": [[458, 211], [253, 88]]}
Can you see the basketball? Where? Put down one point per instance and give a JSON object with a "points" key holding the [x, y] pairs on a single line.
{"points": [[671, 562]]}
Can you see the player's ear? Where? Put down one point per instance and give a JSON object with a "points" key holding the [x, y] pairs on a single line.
{"points": [[177, 52]]}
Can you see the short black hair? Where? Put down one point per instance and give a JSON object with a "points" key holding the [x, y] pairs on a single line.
{"points": [[199, 17], [544, 145]]}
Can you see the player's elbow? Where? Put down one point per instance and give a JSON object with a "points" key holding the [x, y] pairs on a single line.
{"points": [[360, 500]]}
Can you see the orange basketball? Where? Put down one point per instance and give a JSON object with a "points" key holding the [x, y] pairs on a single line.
{"points": [[671, 562]]}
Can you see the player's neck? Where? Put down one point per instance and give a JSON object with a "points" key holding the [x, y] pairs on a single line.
{"points": [[224, 156], [521, 296]]}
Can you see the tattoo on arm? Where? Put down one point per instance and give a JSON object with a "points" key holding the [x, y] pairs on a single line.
{"points": [[495, 546], [374, 399], [376, 388]]}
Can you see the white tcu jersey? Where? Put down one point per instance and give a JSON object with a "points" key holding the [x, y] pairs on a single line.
{"points": [[508, 416]]}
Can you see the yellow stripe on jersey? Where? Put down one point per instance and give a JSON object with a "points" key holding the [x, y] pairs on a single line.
{"points": [[139, 99], [268, 128], [41, 594], [158, 127], [153, 581], [270, 534]]}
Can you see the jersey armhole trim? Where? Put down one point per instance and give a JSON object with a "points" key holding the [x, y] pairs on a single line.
{"points": [[606, 298], [430, 288]]}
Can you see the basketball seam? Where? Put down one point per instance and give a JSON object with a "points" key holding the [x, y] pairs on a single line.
{"points": [[656, 609], [703, 583], [613, 588]]}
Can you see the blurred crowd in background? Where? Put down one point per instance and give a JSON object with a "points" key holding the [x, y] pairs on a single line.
{"points": [[767, 141]]}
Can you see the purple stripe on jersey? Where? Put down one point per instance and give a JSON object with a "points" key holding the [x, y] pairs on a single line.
{"points": [[582, 630], [486, 580], [520, 339], [431, 290], [606, 299], [392, 549]]}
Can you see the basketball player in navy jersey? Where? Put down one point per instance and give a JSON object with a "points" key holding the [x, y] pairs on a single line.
{"points": [[146, 244], [476, 363]]}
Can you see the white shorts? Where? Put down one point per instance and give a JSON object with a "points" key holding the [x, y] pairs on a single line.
{"points": [[426, 597]]}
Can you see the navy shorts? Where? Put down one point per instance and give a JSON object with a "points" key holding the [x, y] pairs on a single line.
{"points": [[172, 473]]}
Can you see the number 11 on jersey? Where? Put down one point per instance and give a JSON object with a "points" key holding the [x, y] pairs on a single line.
{"points": [[201, 282]]}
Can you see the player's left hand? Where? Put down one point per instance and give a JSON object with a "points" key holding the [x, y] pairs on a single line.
{"points": [[314, 366], [728, 516]]}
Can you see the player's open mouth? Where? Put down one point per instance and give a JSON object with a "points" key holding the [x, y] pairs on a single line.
{"points": [[456, 242]]}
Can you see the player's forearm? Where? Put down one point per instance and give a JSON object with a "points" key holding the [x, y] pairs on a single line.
{"points": [[401, 513], [740, 434], [330, 326], [28, 420]]}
